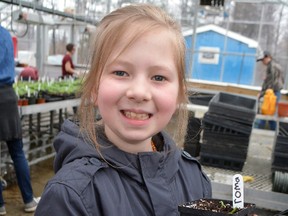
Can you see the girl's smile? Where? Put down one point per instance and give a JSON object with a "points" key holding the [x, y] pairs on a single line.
{"points": [[136, 116]]}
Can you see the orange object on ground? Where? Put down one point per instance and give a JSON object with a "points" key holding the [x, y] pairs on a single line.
{"points": [[269, 103]]}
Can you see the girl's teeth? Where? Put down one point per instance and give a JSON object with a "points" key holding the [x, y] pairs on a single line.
{"points": [[136, 116]]}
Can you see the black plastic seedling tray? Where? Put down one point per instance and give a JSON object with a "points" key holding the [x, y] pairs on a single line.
{"points": [[283, 129], [281, 145], [280, 159], [201, 99], [236, 139], [280, 153], [222, 121], [220, 161], [234, 105], [218, 132], [224, 150], [187, 209]]}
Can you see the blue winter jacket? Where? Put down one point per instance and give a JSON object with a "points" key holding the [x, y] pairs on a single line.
{"points": [[117, 182]]}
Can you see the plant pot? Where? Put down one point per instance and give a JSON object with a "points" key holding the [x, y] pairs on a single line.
{"points": [[20, 102], [25, 102], [40, 100], [213, 207], [31, 100]]}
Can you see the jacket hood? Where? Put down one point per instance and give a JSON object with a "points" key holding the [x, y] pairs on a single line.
{"points": [[71, 145]]}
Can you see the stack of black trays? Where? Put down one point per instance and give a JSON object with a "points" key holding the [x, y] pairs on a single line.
{"points": [[192, 138], [280, 159], [280, 153], [227, 129]]}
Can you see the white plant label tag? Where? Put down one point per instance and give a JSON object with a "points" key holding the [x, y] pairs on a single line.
{"points": [[238, 191]]}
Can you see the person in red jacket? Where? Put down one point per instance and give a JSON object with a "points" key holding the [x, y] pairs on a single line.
{"points": [[68, 68], [29, 72]]}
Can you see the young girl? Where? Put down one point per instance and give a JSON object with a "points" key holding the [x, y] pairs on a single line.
{"points": [[125, 164]]}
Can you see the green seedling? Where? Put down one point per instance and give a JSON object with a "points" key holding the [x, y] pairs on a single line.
{"points": [[234, 210]]}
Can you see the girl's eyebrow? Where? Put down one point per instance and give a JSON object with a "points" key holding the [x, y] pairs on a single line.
{"points": [[120, 62], [152, 68]]}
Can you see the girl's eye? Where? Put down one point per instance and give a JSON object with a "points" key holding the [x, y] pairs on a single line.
{"points": [[159, 78], [120, 73]]}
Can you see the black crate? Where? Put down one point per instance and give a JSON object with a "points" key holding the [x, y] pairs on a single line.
{"points": [[237, 139], [232, 118], [283, 129], [216, 131], [223, 143], [280, 159], [200, 98], [280, 153], [281, 145], [193, 149], [224, 122], [225, 147], [221, 130], [282, 139], [191, 140], [234, 105], [225, 150], [223, 162], [194, 128], [279, 168]]}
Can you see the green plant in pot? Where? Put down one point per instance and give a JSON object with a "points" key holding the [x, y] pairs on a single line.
{"points": [[31, 97], [40, 98], [23, 99]]}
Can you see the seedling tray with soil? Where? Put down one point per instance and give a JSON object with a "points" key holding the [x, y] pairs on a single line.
{"points": [[214, 207]]}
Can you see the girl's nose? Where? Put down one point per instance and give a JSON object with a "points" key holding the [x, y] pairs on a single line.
{"points": [[139, 91]]}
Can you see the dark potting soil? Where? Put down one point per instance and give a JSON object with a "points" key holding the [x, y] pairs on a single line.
{"points": [[214, 206]]}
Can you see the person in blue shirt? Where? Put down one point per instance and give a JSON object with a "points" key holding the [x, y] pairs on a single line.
{"points": [[10, 124]]}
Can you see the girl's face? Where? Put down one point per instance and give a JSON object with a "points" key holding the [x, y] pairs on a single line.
{"points": [[138, 91]]}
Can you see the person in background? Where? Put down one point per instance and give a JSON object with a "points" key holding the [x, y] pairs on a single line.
{"points": [[10, 125], [274, 79], [68, 68], [29, 73], [125, 164]]}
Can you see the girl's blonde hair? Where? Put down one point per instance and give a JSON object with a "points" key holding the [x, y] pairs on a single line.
{"points": [[130, 22]]}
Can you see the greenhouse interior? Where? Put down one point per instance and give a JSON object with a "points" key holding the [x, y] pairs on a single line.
{"points": [[227, 43]]}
